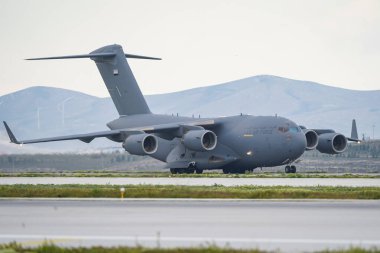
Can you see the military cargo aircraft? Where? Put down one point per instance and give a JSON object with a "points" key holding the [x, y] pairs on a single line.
{"points": [[233, 144]]}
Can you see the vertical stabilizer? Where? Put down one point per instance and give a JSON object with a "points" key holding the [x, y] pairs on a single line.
{"points": [[118, 77], [120, 82], [354, 131]]}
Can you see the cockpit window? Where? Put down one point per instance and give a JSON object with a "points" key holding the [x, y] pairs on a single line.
{"points": [[283, 129], [286, 129], [294, 129]]}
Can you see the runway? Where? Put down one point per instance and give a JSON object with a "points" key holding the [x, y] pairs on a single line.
{"points": [[292, 226], [353, 182]]}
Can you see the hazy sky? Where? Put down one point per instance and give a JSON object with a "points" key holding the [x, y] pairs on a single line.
{"points": [[201, 42]]}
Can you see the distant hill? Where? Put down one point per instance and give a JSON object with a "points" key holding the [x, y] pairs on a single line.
{"points": [[82, 113], [307, 103]]}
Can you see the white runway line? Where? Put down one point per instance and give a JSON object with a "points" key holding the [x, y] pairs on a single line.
{"points": [[192, 239]]}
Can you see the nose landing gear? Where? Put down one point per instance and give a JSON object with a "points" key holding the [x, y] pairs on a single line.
{"points": [[290, 169]]}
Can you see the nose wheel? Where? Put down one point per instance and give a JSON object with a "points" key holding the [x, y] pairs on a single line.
{"points": [[290, 169]]}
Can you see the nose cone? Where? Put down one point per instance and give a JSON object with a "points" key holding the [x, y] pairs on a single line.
{"points": [[299, 144], [296, 142]]}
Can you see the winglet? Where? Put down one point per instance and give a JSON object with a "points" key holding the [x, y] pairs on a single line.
{"points": [[10, 134], [354, 132]]}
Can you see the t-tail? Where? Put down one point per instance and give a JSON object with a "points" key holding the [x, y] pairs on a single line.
{"points": [[118, 77]]}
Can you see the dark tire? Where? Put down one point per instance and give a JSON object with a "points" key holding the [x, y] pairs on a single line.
{"points": [[237, 171], [189, 171], [198, 171], [293, 169], [226, 171], [287, 169], [173, 171], [181, 170]]}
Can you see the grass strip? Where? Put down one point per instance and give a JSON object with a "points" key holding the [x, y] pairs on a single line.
{"points": [[50, 248], [175, 191], [168, 174]]}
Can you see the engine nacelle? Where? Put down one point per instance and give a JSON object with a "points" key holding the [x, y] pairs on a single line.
{"points": [[200, 140], [141, 144], [311, 139], [332, 143]]}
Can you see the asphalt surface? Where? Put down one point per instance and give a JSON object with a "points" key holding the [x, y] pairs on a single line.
{"points": [[354, 182], [292, 226]]}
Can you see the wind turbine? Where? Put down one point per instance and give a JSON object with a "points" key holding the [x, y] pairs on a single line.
{"points": [[63, 109], [38, 117]]}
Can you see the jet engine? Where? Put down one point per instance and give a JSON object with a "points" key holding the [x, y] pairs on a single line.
{"points": [[332, 143], [141, 144], [311, 139], [200, 140]]}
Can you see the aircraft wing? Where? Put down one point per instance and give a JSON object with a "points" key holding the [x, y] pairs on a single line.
{"points": [[174, 126], [88, 137], [351, 139], [354, 132], [172, 130], [178, 128]]}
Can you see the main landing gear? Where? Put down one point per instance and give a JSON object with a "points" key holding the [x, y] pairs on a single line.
{"points": [[185, 171], [189, 170], [290, 169], [234, 171]]}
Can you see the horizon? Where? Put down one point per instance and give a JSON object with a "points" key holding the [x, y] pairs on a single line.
{"points": [[284, 97]]}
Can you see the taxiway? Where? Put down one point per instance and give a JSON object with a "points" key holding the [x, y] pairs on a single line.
{"points": [[299, 225]]}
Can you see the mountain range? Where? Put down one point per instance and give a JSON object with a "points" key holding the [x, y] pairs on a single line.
{"points": [[45, 111]]}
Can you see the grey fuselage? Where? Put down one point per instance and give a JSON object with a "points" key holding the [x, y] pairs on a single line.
{"points": [[244, 141]]}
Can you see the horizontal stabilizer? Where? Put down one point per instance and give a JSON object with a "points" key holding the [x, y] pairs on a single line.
{"points": [[141, 57], [93, 56], [100, 55]]}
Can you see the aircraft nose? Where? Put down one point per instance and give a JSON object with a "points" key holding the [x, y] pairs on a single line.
{"points": [[299, 144]]}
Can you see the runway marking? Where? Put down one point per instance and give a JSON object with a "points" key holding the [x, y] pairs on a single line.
{"points": [[192, 239]]}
